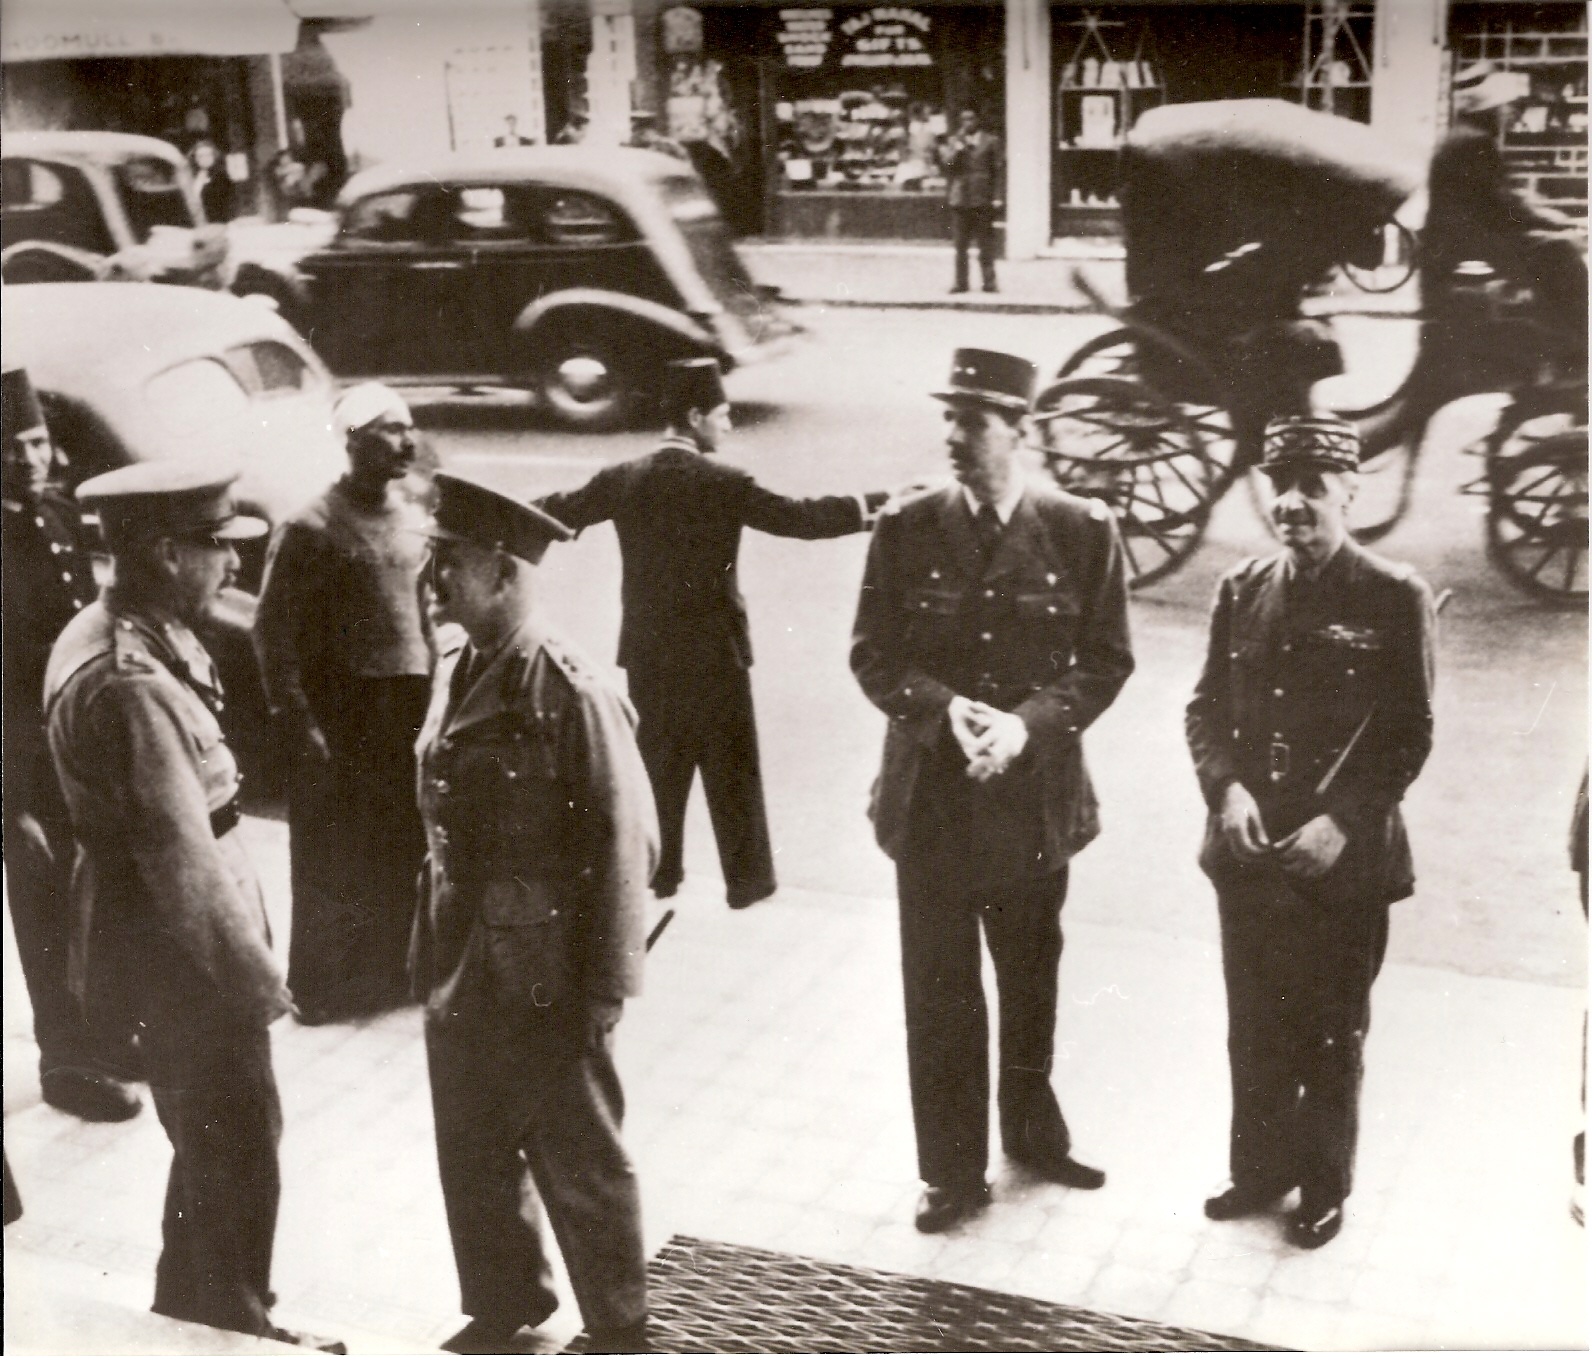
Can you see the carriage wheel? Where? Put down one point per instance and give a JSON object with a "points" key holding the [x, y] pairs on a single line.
{"points": [[1537, 515], [1116, 440]]}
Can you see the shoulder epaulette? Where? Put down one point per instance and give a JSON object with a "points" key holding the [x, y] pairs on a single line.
{"points": [[132, 650], [566, 658]]}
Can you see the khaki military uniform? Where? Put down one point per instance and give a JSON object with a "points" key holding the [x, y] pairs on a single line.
{"points": [[169, 927], [542, 839], [1296, 667]]}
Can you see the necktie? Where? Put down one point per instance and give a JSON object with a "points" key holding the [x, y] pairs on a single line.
{"points": [[987, 531], [464, 674]]}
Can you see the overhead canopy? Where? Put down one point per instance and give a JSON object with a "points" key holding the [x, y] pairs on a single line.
{"points": [[53, 30]]}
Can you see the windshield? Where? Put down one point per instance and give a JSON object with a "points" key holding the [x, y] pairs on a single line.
{"points": [[152, 195]]}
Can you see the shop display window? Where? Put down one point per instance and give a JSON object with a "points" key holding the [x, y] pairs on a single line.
{"points": [[873, 138]]}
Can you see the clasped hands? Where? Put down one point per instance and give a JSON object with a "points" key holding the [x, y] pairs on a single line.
{"points": [[1309, 852], [991, 738]]}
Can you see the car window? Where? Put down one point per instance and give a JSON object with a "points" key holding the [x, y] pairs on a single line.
{"points": [[51, 202], [152, 195], [384, 217], [580, 219], [687, 198], [269, 368], [201, 393]]}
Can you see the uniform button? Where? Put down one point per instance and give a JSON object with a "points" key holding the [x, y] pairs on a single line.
{"points": [[1051, 609], [906, 692], [66, 576], [55, 548], [76, 604], [1276, 776], [923, 604], [1232, 654], [1287, 647], [511, 774], [1350, 672], [38, 522], [441, 787], [989, 593], [1277, 735], [1276, 692], [986, 636]]}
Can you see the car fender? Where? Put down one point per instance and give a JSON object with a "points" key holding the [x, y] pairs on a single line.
{"points": [[94, 267], [651, 313]]}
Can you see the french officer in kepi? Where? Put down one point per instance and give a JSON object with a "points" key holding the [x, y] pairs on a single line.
{"points": [[993, 631], [542, 839], [1311, 719], [169, 925]]}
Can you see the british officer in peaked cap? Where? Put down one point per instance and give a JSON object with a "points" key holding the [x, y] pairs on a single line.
{"points": [[992, 631], [529, 936], [170, 924], [684, 642], [47, 579], [1311, 718]]}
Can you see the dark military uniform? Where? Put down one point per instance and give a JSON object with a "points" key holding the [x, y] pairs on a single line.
{"points": [[1295, 667], [542, 840], [169, 928], [684, 641], [47, 581], [1038, 625]]}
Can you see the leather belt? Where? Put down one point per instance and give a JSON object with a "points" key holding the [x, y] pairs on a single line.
{"points": [[224, 820]]}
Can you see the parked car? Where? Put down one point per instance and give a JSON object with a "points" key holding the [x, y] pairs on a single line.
{"points": [[80, 206], [131, 373], [568, 272]]}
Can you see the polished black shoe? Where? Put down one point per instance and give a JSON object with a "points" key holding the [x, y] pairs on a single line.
{"points": [[665, 889], [1314, 1226], [632, 1337], [495, 1335], [1063, 1169], [957, 291], [1235, 1202], [288, 1337], [943, 1208], [88, 1094], [744, 896]]}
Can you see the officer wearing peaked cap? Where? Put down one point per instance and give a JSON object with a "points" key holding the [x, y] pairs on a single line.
{"points": [[992, 630], [1311, 719], [529, 937], [684, 642], [47, 579], [170, 923]]}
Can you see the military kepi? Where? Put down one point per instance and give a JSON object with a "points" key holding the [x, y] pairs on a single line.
{"points": [[987, 377], [153, 499], [19, 406], [692, 384], [1318, 441], [470, 512]]}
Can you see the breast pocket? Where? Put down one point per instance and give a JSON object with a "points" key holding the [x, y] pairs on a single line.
{"points": [[931, 616], [527, 945], [1048, 618]]}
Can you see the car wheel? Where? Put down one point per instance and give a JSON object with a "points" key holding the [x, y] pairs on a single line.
{"points": [[585, 380]]}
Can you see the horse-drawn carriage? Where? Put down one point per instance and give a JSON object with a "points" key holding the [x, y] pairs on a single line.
{"points": [[1232, 213]]}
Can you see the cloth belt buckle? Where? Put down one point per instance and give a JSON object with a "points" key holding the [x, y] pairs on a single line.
{"points": [[224, 820], [1280, 756]]}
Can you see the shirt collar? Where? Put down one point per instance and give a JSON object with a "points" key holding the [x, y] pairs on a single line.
{"points": [[1006, 505]]}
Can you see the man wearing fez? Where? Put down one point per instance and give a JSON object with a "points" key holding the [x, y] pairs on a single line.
{"points": [[529, 937], [992, 630], [169, 922], [46, 580], [1311, 718], [684, 641], [345, 655]]}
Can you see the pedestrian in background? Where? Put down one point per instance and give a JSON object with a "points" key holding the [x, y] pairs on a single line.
{"points": [[84, 1065], [529, 938], [169, 923], [345, 656], [971, 160], [684, 641], [992, 630], [1311, 719]]}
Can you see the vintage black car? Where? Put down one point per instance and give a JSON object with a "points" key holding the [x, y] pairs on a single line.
{"points": [[570, 271]]}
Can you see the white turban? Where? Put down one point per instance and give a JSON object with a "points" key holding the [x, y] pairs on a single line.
{"points": [[365, 404]]}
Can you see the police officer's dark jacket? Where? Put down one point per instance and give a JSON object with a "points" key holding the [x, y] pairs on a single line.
{"points": [[1294, 668], [1040, 629], [679, 515]]}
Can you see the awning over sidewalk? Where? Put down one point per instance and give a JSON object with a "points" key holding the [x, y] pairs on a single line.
{"points": [[46, 30]]}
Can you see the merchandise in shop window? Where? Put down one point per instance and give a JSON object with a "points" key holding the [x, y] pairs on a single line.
{"points": [[868, 140]]}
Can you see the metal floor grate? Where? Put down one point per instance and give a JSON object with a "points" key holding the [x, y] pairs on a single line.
{"points": [[712, 1297]]}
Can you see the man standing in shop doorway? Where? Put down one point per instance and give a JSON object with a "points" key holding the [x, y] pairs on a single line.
{"points": [[974, 171]]}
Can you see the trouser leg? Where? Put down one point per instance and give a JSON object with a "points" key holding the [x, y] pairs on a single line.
{"points": [[588, 1184], [1346, 947], [947, 1030], [984, 227], [478, 1101], [1023, 927], [1265, 1085], [225, 1184], [732, 779], [961, 229], [668, 750]]}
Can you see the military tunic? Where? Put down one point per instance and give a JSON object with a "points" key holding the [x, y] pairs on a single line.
{"points": [[542, 839], [47, 580], [684, 641], [1038, 626], [1298, 671], [169, 927]]}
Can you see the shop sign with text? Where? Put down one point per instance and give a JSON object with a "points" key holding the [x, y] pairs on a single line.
{"points": [[879, 36]]}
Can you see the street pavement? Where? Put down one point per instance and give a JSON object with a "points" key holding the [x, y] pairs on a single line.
{"points": [[765, 1068]]}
